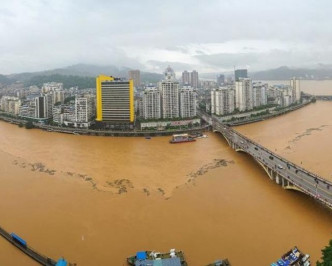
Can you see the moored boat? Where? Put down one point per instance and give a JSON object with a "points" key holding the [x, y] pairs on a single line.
{"points": [[180, 138], [223, 262], [293, 257], [145, 258]]}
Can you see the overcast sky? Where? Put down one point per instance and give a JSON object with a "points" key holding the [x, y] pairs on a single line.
{"points": [[206, 35]]}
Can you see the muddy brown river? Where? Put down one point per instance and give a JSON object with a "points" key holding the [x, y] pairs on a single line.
{"points": [[98, 200]]}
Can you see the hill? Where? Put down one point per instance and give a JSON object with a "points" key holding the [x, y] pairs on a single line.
{"points": [[284, 72], [82, 74]]}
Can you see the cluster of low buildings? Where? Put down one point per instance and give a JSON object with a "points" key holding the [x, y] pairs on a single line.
{"points": [[48, 105]]}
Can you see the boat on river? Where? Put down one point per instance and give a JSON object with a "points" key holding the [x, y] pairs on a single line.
{"points": [[223, 262], [147, 258], [293, 257], [181, 138]]}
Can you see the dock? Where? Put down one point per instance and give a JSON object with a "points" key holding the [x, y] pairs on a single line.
{"points": [[21, 245]]}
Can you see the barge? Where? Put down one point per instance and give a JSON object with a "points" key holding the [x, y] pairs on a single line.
{"points": [[147, 258], [181, 138], [223, 262]]}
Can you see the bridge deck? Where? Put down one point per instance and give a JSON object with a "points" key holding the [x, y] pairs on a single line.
{"points": [[304, 180]]}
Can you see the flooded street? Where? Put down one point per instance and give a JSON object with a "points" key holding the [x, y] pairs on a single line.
{"points": [[98, 200]]}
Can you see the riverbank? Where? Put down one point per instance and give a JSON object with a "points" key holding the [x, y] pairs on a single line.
{"points": [[264, 117], [145, 133], [104, 133]]}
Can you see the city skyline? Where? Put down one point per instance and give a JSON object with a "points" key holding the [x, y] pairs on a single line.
{"points": [[242, 35]]}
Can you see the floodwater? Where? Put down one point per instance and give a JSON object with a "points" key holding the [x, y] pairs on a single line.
{"points": [[97, 200]]}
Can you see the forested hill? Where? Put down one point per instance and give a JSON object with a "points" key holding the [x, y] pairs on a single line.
{"points": [[68, 81]]}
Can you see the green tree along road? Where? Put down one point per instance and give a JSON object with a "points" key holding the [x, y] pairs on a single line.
{"points": [[326, 256]]}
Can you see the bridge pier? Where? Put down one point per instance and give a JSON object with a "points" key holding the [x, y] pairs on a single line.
{"points": [[278, 179]]}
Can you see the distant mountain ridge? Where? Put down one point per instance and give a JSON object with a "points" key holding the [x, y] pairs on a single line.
{"points": [[86, 73], [284, 72], [80, 70]]}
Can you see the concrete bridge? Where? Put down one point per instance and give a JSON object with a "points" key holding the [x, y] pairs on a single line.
{"points": [[285, 173]]}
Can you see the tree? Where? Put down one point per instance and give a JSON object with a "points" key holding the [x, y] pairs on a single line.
{"points": [[29, 125], [327, 256]]}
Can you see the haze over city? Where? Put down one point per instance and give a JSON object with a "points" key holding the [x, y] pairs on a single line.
{"points": [[208, 36]]}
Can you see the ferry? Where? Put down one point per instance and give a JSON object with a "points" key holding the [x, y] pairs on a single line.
{"points": [[146, 258], [197, 135], [293, 257], [180, 138]]}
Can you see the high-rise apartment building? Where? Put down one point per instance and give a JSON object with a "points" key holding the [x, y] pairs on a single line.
{"points": [[170, 95], [83, 111], [190, 78], [259, 94], [58, 96], [151, 103], [135, 75], [41, 107], [243, 94], [287, 97], [295, 85], [185, 77], [194, 81], [188, 99], [222, 101], [240, 73], [115, 100], [220, 80]]}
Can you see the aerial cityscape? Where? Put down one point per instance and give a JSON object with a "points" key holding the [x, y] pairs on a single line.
{"points": [[174, 133]]}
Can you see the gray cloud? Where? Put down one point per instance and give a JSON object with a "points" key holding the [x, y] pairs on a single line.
{"points": [[39, 34]]}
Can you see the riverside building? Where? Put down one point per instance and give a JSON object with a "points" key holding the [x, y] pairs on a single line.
{"points": [[115, 101], [10, 104], [170, 95], [188, 100], [259, 94], [296, 94], [151, 103], [244, 94], [222, 101]]}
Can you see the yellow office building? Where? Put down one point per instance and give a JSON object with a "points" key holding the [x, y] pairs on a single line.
{"points": [[115, 100]]}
